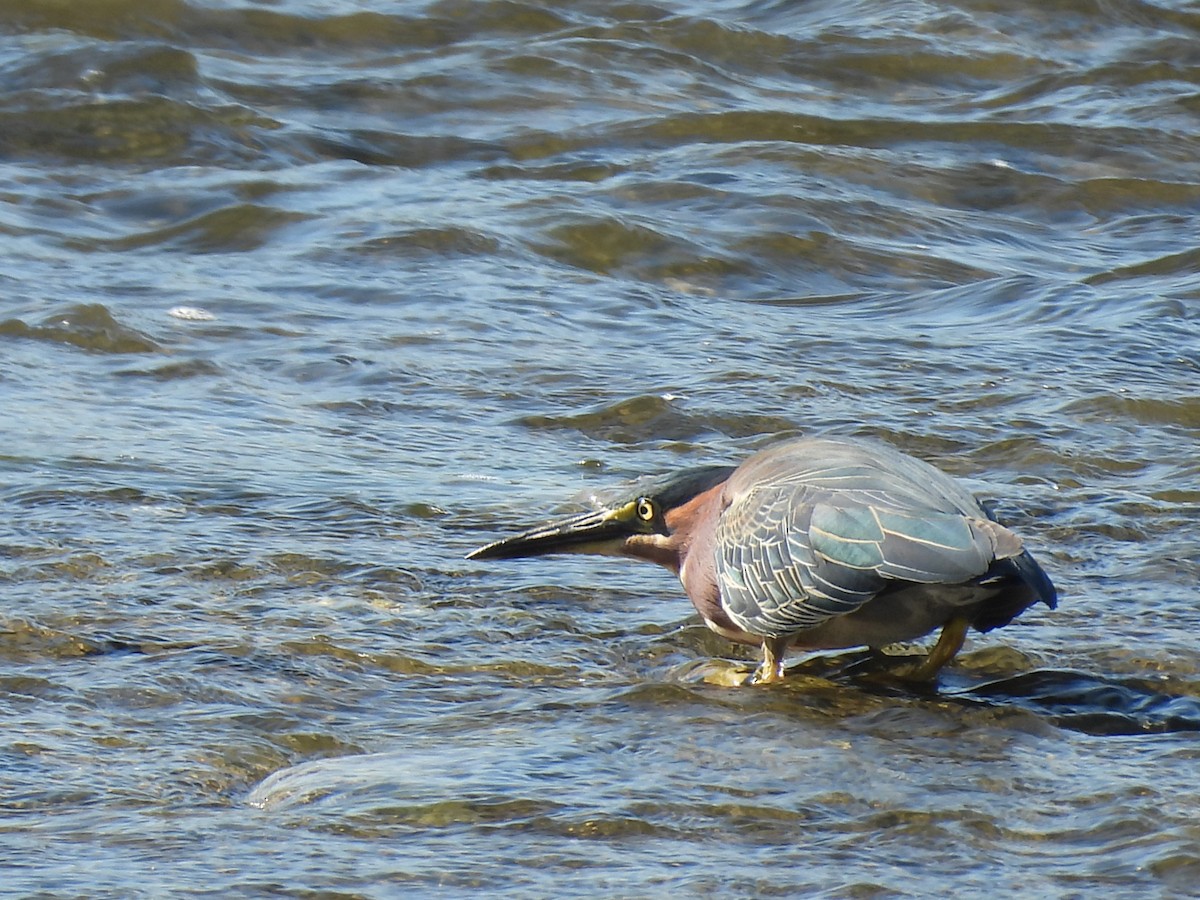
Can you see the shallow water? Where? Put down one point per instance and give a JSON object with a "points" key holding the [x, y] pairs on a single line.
{"points": [[302, 301]]}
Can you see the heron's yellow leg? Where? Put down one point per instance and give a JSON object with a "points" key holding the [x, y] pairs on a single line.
{"points": [[948, 644], [771, 669]]}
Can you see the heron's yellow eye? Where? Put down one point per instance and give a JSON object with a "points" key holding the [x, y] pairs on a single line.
{"points": [[646, 509]]}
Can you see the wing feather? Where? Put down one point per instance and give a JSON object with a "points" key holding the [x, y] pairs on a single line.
{"points": [[802, 544]]}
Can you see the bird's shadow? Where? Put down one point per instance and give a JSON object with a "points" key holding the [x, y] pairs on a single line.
{"points": [[1088, 703], [1078, 701]]}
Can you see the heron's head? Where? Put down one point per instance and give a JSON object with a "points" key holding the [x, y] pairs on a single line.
{"points": [[646, 515]]}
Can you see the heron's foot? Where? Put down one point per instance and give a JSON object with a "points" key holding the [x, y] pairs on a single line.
{"points": [[764, 675], [948, 644], [771, 669]]}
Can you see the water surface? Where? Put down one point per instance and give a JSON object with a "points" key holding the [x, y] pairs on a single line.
{"points": [[302, 301]]}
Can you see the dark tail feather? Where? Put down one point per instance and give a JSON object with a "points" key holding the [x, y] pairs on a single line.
{"points": [[1033, 575], [1022, 583]]}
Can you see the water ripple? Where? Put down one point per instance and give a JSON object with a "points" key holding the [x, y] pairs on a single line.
{"points": [[304, 300]]}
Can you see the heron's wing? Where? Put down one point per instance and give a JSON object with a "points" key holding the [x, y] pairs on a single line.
{"points": [[790, 556]]}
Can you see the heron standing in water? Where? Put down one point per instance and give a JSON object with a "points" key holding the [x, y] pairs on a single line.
{"points": [[816, 544]]}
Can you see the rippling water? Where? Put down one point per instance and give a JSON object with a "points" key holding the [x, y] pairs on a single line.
{"points": [[302, 300]]}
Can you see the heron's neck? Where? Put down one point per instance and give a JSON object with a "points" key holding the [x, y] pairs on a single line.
{"points": [[690, 552], [691, 526], [655, 548]]}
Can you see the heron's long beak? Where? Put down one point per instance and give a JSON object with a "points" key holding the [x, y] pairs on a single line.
{"points": [[602, 531]]}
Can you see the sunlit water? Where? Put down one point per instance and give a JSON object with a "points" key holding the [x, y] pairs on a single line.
{"points": [[301, 301]]}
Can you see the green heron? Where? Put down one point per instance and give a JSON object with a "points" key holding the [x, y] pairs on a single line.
{"points": [[817, 544]]}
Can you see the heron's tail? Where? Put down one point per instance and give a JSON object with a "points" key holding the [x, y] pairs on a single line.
{"points": [[1020, 583]]}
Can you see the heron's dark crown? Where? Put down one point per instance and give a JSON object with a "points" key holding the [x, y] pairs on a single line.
{"points": [[677, 488]]}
